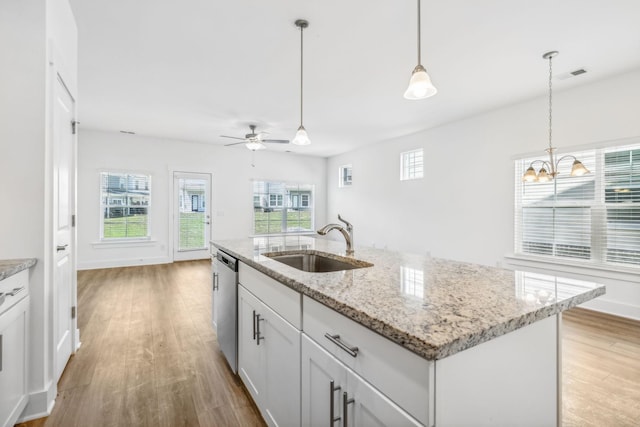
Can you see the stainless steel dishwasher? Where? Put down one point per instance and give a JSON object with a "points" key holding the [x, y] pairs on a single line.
{"points": [[225, 307]]}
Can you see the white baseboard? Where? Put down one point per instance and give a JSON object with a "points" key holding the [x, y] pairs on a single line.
{"points": [[40, 404], [113, 263]]}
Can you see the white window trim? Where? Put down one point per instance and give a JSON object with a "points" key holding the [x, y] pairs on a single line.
{"points": [[405, 173], [123, 241], [341, 182]]}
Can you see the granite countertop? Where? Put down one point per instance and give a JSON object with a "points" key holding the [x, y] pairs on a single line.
{"points": [[433, 307], [9, 267]]}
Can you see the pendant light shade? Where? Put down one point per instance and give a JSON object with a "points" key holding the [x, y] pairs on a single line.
{"points": [[420, 86], [301, 137], [578, 169]]}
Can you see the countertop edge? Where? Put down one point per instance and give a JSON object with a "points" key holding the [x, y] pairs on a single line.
{"points": [[414, 344], [10, 267]]}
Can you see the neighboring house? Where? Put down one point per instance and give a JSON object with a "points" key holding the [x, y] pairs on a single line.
{"points": [[125, 197], [192, 197], [276, 195]]}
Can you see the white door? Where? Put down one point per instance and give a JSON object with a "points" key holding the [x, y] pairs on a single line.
{"points": [[282, 368], [365, 406], [63, 191], [323, 381], [192, 215], [250, 354]]}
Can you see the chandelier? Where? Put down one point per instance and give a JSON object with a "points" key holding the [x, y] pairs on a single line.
{"points": [[549, 168]]}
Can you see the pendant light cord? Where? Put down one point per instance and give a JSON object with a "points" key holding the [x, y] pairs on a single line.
{"points": [[550, 100], [419, 58], [301, 71]]}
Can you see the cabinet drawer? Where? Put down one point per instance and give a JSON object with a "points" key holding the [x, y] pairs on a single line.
{"points": [[281, 299], [407, 379]]}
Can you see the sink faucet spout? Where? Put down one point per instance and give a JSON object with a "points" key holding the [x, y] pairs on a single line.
{"points": [[347, 233]]}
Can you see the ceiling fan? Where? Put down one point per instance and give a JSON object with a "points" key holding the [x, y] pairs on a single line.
{"points": [[254, 141]]}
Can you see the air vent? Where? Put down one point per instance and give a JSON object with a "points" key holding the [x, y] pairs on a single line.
{"points": [[572, 74]]}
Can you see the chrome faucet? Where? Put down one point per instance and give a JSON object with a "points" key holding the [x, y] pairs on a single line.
{"points": [[348, 233]]}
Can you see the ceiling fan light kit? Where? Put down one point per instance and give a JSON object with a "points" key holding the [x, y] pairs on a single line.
{"points": [[420, 86], [301, 138], [254, 141], [549, 168]]}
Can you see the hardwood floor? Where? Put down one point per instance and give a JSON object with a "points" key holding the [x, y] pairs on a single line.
{"points": [[601, 370], [149, 357]]}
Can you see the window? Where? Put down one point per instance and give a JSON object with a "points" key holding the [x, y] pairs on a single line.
{"points": [[344, 176], [280, 207], [594, 218], [411, 165], [124, 206]]}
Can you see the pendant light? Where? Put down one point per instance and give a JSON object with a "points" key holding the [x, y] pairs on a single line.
{"points": [[549, 169], [301, 137], [420, 86]]}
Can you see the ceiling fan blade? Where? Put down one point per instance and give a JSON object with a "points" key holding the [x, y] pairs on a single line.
{"points": [[276, 141], [234, 143], [232, 137]]}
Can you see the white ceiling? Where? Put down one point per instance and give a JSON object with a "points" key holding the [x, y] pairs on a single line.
{"points": [[197, 69]]}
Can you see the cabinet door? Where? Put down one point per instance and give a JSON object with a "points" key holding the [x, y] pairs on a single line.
{"points": [[13, 355], [280, 342], [250, 355], [323, 382], [367, 407]]}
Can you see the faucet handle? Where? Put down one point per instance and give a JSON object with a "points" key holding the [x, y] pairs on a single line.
{"points": [[347, 223]]}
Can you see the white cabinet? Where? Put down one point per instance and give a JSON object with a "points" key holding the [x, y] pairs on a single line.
{"points": [[13, 349], [269, 360], [333, 394]]}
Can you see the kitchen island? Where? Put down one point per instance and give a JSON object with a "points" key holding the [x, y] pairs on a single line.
{"points": [[472, 345]]}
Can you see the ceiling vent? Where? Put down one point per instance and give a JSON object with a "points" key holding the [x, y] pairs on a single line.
{"points": [[572, 74]]}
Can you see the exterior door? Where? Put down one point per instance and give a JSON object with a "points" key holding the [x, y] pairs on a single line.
{"points": [[192, 215], [63, 208]]}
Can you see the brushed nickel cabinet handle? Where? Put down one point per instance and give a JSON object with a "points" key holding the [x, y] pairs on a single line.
{"points": [[216, 281], [345, 408], [353, 351], [254, 325], [15, 291], [1, 351], [61, 247], [258, 337], [332, 390]]}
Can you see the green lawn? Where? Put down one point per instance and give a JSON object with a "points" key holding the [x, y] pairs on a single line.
{"points": [[271, 222], [191, 230], [125, 227]]}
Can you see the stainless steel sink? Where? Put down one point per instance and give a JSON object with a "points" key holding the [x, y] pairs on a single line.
{"points": [[317, 262]]}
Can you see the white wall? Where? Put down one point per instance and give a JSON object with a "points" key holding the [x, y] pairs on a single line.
{"points": [[463, 208], [232, 201]]}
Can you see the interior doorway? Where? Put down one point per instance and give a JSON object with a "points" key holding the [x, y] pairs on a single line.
{"points": [[192, 215]]}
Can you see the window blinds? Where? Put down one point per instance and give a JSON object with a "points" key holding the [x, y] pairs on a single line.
{"points": [[594, 218]]}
